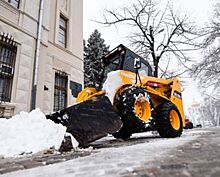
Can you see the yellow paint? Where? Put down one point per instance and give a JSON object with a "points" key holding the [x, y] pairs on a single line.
{"points": [[87, 93], [142, 109], [174, 119]]}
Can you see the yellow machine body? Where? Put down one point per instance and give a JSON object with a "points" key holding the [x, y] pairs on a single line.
{"points": [[159, 90], [87, 93]]}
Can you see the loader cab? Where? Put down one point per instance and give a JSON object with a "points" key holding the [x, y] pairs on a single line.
{"points": [[122, 58]]}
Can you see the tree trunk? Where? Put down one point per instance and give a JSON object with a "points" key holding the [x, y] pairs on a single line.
{"points": [[156, 71], [156, 68]]}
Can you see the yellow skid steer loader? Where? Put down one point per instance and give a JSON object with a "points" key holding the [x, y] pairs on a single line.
{"points": [[130, 101]]}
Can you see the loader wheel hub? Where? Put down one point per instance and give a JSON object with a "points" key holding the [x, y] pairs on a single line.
{"points": [[142, 109], [174, 119]]}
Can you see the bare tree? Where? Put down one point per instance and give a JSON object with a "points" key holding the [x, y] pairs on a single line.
{"points": [[210, 110], [208, 70], [156, 32]]}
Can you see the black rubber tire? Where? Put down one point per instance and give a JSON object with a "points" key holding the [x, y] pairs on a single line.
{"points": [[125, 105], [122, 134], [163, 124]]}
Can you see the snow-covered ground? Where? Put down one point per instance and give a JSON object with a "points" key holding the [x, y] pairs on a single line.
{"points": [[114, 161], [27, 133]]}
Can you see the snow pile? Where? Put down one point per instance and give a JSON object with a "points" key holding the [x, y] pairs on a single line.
{"points": [[29, 133], [111, 84]]}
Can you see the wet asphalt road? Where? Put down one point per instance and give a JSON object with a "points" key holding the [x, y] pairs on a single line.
{"points": [[200, 157]]}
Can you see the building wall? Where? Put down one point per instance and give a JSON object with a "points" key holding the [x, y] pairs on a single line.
{"points": [[21, 24]]}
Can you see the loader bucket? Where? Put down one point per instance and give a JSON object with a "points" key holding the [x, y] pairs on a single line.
{"points": [[89, 120]]}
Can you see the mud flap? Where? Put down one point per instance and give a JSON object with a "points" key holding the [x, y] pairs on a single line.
{"points": [[89, 120]]}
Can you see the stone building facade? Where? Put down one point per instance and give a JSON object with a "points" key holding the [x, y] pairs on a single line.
{"points": [[57, 60]]}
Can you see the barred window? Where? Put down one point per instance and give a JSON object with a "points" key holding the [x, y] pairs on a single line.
{"points": [[14, 3], [8, 50], [60, 91], [62, 38]]}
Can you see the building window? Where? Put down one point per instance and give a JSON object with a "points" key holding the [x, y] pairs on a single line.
{"points": [[62, 38], [8, 50], [60, 91], [14, 3]]}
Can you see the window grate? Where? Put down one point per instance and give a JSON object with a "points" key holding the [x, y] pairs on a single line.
{"points": [[8, 50], [60, 91]]}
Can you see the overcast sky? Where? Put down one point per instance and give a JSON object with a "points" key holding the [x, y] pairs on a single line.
{"points": [[198, 10]]}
